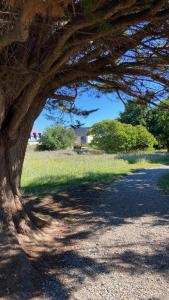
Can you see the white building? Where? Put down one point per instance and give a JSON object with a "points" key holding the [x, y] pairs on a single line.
{"points": [[34, 136], [82, 137]]}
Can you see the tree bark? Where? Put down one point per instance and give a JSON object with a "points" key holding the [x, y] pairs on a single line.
{"points": [[12, 153], [19, 280], [13, 146]]}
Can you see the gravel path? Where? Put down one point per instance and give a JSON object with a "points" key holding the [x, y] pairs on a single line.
{"points": [[116, 246]]}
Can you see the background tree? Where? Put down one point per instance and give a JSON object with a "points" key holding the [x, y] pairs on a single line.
{"points": [[144, 139], [158, 124], [49, 50], [109, 136], [114, 136], [155, 119], [134, 113], [57, 138]]}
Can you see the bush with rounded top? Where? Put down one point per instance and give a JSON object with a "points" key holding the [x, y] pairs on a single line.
{"points": [[57, 138], [144, 139], [114, 136]]}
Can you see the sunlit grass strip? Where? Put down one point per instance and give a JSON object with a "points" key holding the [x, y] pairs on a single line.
{"points": [[52, 173]]}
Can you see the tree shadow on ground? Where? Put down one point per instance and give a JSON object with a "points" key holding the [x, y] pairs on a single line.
{"points": [[86, 212], [104, 205], [28, 284], [82, 204], [76, 268], [135, 263], [18, 280]]}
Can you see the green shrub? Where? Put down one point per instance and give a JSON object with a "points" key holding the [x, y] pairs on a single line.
{"points": [[114, 136], [57, 138], [109, 136], [144, 139], [155, 119]]}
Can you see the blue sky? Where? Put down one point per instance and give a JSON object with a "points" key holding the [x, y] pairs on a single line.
{"points": [[108, 106]]}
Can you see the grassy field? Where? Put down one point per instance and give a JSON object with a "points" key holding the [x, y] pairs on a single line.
{"points": [[52, 172]]}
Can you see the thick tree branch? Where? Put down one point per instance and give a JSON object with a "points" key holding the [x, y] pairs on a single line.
{"points": [[18, 34]]}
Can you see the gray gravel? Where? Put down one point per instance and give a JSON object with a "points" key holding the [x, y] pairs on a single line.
{"points": [[119, 244]]}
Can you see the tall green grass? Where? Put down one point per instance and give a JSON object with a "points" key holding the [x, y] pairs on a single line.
{"points": [[52, 172], [49, 172], [152, 158]]}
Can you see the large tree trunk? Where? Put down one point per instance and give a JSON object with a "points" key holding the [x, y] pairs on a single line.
{"points": [[18, 278], [12, 152], [13, 145]]}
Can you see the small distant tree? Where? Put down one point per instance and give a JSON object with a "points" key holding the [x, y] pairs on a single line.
{"points": [[114, 136], [57, 138]]}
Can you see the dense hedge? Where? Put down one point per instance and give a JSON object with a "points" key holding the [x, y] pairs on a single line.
{"points": [[114, 136]]}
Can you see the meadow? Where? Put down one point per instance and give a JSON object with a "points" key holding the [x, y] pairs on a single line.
{"points": [[52, 172]]}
